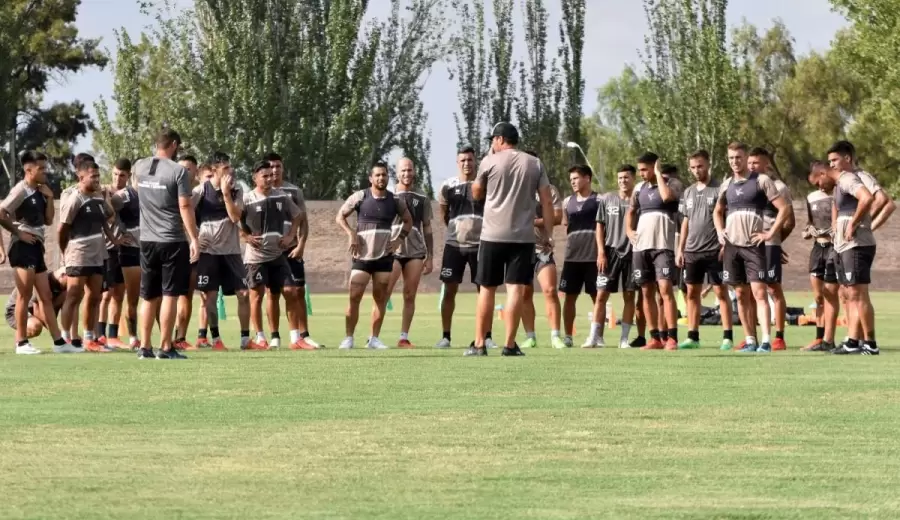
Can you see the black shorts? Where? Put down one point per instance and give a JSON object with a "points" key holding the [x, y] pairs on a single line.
{"points": [[742, 265], [618, 269], [505, 262], [165, 269], [578, 276], [854, 266], [652, 265], [269, 274], [773, 265], [702, 267], [129, 256], [225, 271], [22, 255], [404, 261], [77, 271], [382, 265], [113, 275], [296, 274], [821, 262], [540, 264], [454, 261]]}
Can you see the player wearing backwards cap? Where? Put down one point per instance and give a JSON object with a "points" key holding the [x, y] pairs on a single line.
{"points": [[462, 215], [739, 218], [371, 248], [580, 266], [614, 256], [699, 252], [218, 204], [545, 271], [262, 228], [507, 181], [414, 256], [295, 282], [83, 232], [822, 275], [842, 156], [24, 212], [169, 242]]}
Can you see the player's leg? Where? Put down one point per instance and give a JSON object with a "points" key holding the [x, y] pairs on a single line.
{"points": [[726, 313], [490, 275], [74, 296], [412, 275], [547, 279], [865, 257], [519, 274], [694, 275], [395, 275], [278, 270], [570, 288], [151, 290], [184, 311], [380, 278], [93, 291], [233, 280], [666, 274], [256, 283], [598, 322], [453, 266], [359, 280], [178, 280], [529, 317], [130, 260], [24, 290]]}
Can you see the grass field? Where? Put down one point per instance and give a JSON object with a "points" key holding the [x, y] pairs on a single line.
{"points": [[430, 434]]}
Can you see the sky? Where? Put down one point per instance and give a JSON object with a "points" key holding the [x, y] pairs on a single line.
{"points": [[614, 35]]}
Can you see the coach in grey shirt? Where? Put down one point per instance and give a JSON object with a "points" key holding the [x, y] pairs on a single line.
{"points": [[507, 181], [168, 240]]}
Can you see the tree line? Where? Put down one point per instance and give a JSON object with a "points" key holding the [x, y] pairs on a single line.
{"points": [[334, 89]]}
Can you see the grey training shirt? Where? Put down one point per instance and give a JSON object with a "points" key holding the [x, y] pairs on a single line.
{"points": [[158, 189]]}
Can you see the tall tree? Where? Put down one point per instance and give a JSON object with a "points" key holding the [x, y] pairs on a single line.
{"points": [[501, 38], [39, 41], [571, 34], [331, 91], [471, 69]]}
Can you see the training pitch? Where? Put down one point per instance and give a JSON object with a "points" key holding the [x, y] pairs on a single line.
{"points": [[429, 434]]}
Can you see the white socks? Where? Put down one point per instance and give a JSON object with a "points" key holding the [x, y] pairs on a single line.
{"points": [[554, 333], [531, 335], [295, 336], [404, 335]]}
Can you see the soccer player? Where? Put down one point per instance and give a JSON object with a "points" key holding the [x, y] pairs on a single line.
{"points": [[127, 207], [507, 181], [854, 248], [614, 257], [168, 241], [218, 204], [462, 215], [186, 301], [744, 198], [822, 275], [545, 272], [579, 272], [38, 317], [761, 162], [372, 249], [842, 156], [414, 256], [205, 173], [24, 212], [650, 224], [699, 253], [114, 275], [262, 228], [294, 291], [83, 232]]}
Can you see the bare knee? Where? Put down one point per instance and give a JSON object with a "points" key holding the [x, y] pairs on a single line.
{"points": [[34, 327]]}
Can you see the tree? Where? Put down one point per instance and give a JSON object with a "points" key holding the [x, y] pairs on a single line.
{"points": [[314, 80], [571, 34], [501, 39], [471, 69], [39, 41]]}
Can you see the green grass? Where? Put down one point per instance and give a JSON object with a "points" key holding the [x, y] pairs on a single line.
{"points": [[429, 434]]}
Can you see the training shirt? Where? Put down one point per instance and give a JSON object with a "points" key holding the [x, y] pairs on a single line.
{"points": [[374, 221], [770, 214], [128, 208], [218, 235], [464, 212], [581, 228], [420, 210], [745, 201], [869, 181], [296, 194], [540, 236], [657, 219], [845, 199], [818, 209], [697, 206], [26, 206], [160, 182], [510, 179], [611, 212], [86, 215], [263, 216]]}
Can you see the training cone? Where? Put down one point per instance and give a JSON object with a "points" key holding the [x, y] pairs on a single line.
{"points": [[499, 310], [390, 305], [220, 305], [308, 303], [610, 317]]}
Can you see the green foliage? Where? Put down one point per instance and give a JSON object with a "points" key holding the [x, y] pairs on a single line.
{"points": [[329, 90]]}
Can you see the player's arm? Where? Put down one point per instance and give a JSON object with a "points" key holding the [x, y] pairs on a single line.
{"points": [[479, 187], [719, 217], [834, 216], [49, 207], [349, 206], [682, 239], [65, 232], [784, 210], [666, 193], [186, 209], [791, 221], [885, 209], [546, 199], [233, 206], [406, 216], [67, 216], [426, 230], [565, 214], [600, 237], [631, 218], [6, 221], [866, 200]]}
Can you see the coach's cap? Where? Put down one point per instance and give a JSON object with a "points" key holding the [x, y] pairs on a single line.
{"points": [[507, 131]]}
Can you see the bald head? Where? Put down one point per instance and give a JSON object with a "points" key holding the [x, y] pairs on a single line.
{"points": [[406, 173]]}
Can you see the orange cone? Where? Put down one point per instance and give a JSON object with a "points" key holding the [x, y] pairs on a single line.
{"points": [[610, 317]]}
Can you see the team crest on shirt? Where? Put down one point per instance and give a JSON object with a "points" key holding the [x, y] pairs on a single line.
{"points": [[415, 202], [278, 205], [457, 191], [710, 200], [815, 207], [772, 273], [849, 276], [34, 201], [665, 271], [762, 274], [258, 209], [740, 191]]}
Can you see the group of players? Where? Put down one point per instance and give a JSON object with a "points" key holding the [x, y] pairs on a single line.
{"points": [[164, 229]]}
